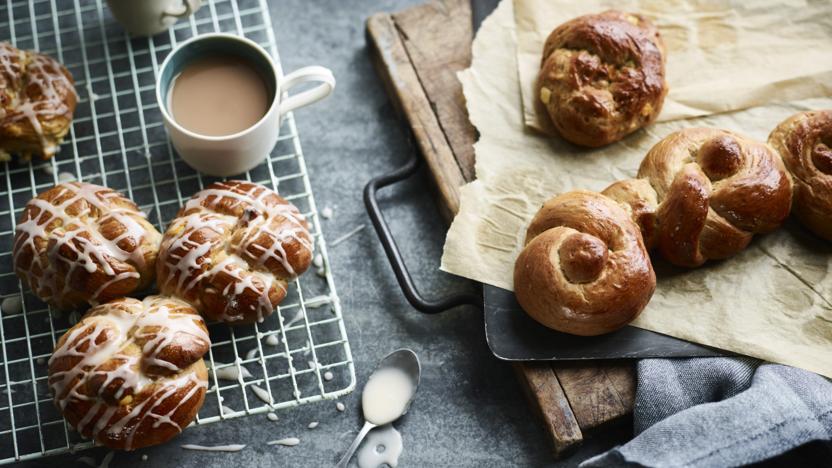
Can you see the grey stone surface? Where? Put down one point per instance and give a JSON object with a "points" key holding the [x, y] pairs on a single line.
{"points": [[469, 409]]}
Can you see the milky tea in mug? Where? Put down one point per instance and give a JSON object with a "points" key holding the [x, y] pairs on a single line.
{"points": [[223, 99], [218, 95]]}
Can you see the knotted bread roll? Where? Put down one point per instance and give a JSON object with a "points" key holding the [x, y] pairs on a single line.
{"points": [[130, 374], [37, 99], [601, 77], [804, 141], [703, 193], [584, 269], [231, 251], [80, 243]]}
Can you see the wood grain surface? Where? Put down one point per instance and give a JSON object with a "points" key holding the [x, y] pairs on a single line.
{"points": [[417, 53]]}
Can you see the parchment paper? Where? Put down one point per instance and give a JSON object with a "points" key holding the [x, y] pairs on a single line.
{"points": [[722, 55], [771, 301]]}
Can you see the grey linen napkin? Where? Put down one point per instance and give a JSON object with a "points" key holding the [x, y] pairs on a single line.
{"points": [[722, 412]]}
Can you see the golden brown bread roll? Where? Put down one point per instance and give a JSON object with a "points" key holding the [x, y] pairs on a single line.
{"points": [[79, 243], [130, 374], [584, 269], [601, 77], [37, 99], [703, 193], [700, 194], [231, 251], [804, 141]]}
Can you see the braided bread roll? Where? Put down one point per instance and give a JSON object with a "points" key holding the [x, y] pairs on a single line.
{"points": [[80, 243], [804, 141], [601, 77], [231, 251], [37, 100], [130, 374], [584, 269], [703, 193]]}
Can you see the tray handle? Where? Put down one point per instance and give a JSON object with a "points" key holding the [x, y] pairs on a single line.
{"points": [[420, 303]]}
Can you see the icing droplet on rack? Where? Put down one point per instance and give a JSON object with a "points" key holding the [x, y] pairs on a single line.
{"points": [[144, 457], [11, 305], [272, 340], [326, 213], [312, 425], [261, 394], [227, 410], [252, 353], [230, 371], [318, 261], [328, 376], [64, 177], [340, 407], [287, 442], [272, 416], [215, 448]]}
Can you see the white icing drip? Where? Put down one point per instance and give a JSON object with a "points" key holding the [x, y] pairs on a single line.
{"points": [[252, 353], [312, 425], [272, 417], [383, 446], [328, 376], [287, 442], [106, 336], [227, 410], [326, 213], [272, 340], [11, 305], [190, 262], [79, 236], [215, 448], [340, 407], [262, 394], [231, 372]]}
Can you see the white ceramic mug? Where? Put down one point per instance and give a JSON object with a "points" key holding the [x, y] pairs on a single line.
{"points": [[239, 152], [149, 17]]}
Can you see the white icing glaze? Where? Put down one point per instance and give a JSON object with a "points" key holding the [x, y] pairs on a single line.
{"points": [[80, 235], [101, 341], [382, 446], [261, 394], [252, 353], [230, 372], [328, 376], [215, 448], [312, 425], [272, 416], [326, 213], [340, 407], [11, 305], [386, 395], [286, 442], [272, 340], [245, 259]]}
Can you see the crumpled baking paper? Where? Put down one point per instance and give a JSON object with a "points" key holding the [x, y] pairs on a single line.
{"points": [[772, 301]]}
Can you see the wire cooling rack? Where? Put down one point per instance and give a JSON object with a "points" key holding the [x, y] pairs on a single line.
{"points": [[300, 354]]}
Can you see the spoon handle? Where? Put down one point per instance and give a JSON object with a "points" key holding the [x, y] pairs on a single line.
{"points": [[363, 433]]}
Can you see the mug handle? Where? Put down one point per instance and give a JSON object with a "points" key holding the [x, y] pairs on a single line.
{"points": [[303, 75], [188, 7]]}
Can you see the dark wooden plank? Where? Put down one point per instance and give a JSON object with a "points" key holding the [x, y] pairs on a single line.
{"points": [[417, 54], [599, 394], [544, 394]]}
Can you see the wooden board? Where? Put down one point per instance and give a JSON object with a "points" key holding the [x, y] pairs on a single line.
{"points": [[417, 53]]}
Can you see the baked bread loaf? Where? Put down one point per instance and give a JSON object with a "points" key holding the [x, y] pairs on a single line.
{"points": [[804, 141], [231, 251], [37, 99], [584, 269], [601, 78], [130, 374], [79, 243], [703, 193]]}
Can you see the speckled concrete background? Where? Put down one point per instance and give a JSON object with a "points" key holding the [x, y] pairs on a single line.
{"points": [[469, 409]]}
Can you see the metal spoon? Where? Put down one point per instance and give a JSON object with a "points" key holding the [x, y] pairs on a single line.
{"points": [[404, 360]]}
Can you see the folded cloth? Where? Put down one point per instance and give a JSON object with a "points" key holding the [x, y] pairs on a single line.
{"points": [[721, 412]]}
